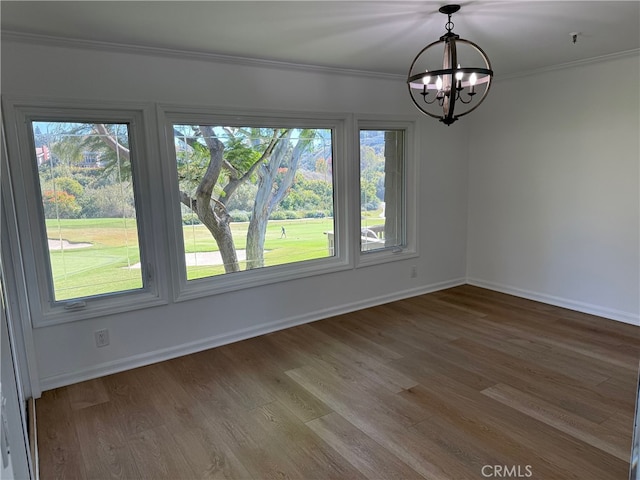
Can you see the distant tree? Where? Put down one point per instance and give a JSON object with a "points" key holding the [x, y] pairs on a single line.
{"points": [[322, 166], [372, 174], [92, 163], [307, 194], [69, 185], [59, 204]]}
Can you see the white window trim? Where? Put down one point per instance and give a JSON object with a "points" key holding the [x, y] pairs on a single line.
{"points": [[410, 184], [161, 241], [168, 115], [19, 112]]}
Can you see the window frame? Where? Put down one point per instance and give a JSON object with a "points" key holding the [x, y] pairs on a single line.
{"points": [[183, 289], [158, 204], [409, 195], [45, 311]]}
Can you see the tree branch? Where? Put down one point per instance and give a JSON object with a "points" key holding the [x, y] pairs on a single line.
{"points": [[234, 183], [289, 177], [210, 177], [107, 138]]}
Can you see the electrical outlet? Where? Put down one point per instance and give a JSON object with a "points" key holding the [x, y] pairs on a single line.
{"points": [[414, 271], [102, 337]]}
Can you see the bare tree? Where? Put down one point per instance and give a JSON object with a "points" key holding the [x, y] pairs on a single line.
{"points": [[275, 178]]}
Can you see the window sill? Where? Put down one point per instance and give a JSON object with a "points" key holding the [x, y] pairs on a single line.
{"points": [[98, 308], [386, 255], [256, 278]]}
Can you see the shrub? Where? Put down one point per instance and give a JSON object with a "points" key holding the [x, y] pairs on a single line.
{"points": [[240, 216], [108, 202], [69, 185], [278, 215], [315, 214], [190, 219], [292, 214], [59, 204]]}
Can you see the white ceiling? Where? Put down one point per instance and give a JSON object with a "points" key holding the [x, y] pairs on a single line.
{"points": [[375, 36]]}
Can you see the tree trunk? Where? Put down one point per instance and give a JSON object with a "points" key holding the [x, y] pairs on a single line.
{"points": [[215, 218], [257, 232], [224, 239], [271, 192], [218, 225]]}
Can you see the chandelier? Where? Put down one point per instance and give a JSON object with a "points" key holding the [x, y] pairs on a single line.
{"points": [[454, 90]]}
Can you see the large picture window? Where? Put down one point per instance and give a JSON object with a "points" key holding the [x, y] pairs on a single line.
{"points": [[253, 197]]}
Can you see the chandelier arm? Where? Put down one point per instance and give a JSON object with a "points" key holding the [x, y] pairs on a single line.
{"points": [[480, 100], [419, 107], [459, 97], [431, 102]]}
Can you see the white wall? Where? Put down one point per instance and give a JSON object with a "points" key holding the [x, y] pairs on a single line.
{"points": [[535, 194], [553, 188], [66, 353]]}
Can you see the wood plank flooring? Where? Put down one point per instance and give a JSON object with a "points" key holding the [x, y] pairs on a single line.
{"points": [[441, 386]]}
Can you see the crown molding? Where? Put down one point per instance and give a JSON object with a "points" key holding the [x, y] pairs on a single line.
{"points": [[66, 42], [48, 40], [577, 63]]}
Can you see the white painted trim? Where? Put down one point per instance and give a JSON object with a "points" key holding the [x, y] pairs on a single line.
{"points": [[183, 289], [410, 185], [135, 361], [562, 66], [33, 440], [37, 39], [17, 302], [609, 313], [19, 110], [49, 40]]}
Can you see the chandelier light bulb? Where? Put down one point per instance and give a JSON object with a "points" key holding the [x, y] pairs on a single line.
{"points": [[459, 75], [426, 79], [473, 79], [439, 83]]}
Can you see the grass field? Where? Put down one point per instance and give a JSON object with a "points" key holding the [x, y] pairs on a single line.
{"points": [[305, 240], [105, 266]]}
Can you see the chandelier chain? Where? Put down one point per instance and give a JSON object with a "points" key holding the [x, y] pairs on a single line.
{"points": [[449, 25]]}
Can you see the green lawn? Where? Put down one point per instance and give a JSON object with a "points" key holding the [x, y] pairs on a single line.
{"points": [[305, 240], [104, 267]]}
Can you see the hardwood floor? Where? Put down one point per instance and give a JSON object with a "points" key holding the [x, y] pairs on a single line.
{"points": [[462, 383]]}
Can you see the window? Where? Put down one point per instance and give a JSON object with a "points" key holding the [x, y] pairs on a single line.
{"points": [[233, 201], [382, 189], [255, 198], [81, 178], [87, 199]]}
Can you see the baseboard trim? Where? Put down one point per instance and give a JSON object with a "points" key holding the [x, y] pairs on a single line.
{"points": [[618, 315], [141, 360], [33, 438]]}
